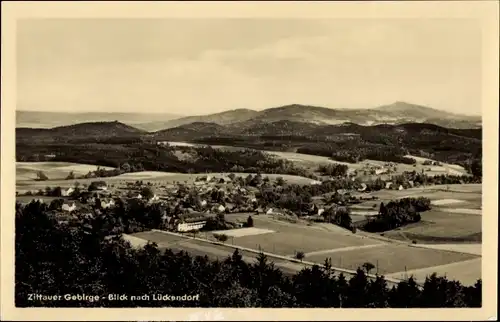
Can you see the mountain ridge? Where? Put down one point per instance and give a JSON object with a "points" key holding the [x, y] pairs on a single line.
{"points": [[396, 113]]}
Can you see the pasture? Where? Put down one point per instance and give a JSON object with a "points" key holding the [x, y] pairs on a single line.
{"points": [[391, 258], [474, 249], [314, 160], [200, 248], [53, 170], [58, 171], [441, 227], [467, 272], [289, 238]]}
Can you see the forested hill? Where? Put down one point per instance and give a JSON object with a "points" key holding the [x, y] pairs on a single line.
{"points": [[79, 132], [198, 130], [343, 142]]}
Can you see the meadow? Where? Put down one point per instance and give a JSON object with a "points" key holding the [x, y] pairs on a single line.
{"points": [[58, 171], [392, 258], [53, 170], [467, 272]]}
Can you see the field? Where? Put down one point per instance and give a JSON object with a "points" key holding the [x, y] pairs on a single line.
{"points": [[467, 272], [58, 171], [314, 160], [200, 248], [441, 227], [53, 170], [391, 258], [345, 250]]}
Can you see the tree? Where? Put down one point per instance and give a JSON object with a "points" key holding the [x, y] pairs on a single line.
{"points": [[70, 176], [476, 168], [125, 167], [300, 255], [221, 237], [249, 221], [147, 193], [368, 267], [41, 176]]}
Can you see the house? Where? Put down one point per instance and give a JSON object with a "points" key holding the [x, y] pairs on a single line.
{"points": [[315, 182], [203, 203], [380, 171], [221, 208], [107, 203], [98, 185], [269, 211], [154, 198], [321, 211], [400, 187], [190, 222], [67, 192], [388, 185], [138, 196], [68, 206]]}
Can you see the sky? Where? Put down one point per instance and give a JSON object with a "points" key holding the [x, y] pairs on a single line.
{"points": [[200, 66]]}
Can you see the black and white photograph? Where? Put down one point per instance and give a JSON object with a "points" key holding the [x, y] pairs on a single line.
{"points": [[223, 162]]}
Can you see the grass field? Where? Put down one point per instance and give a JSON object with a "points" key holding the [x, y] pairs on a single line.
{"points": [[57, 172], [53, 170], [213, 252], [441, 227], [289, 238], [391, 258], [467, 272], [309, 160], [475, 249]]}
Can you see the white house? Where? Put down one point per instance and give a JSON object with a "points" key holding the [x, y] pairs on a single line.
{"points": [[107, 203], [203, 203], [320, 211], [388, 185], [269, 211], [138, 196], [190, 222], [400, 187], [380, 171], [69, 207], [221, 208], [67, 192]]}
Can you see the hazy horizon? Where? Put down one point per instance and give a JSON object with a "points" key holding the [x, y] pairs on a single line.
{"points": [[204, 66]]}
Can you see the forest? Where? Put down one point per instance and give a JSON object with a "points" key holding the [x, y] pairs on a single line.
{"points": [[398, 213], [152, 157], [53, 258]]}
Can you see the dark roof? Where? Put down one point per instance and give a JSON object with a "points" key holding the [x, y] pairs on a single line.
{"points": [[194, 216]]}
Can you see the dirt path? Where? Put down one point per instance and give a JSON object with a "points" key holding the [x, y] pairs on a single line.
{"points": [[343, 249]]}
